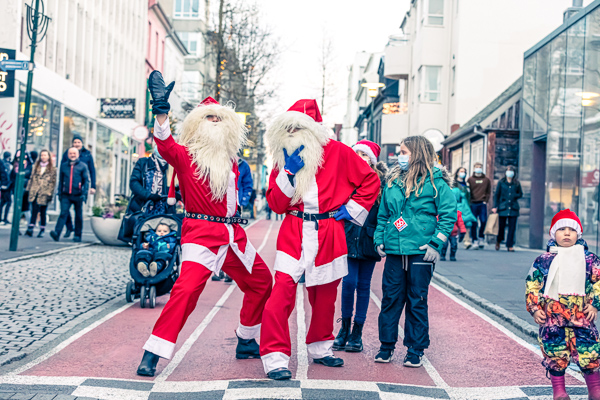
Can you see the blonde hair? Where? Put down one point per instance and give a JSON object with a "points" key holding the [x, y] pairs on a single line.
{"points": [[422, 162]]}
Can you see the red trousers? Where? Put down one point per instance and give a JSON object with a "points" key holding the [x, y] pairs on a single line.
{"points": [[186, 291], [275, 341]]}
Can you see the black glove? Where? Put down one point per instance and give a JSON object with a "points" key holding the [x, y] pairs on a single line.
{"points": [[160, 93], [461, 237], [155, 197]]}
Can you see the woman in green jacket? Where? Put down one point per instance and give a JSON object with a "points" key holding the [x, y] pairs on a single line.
{"points": [[409, 232]]}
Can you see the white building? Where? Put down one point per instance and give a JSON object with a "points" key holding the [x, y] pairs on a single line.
{"points": [[349, 134], [93, 50]]}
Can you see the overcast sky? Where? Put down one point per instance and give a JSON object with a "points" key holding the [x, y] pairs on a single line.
{"points": [[351, 25]]}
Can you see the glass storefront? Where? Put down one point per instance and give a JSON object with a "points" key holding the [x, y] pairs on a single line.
{"points": [[105, 141], [560, 130], [43, 127]]}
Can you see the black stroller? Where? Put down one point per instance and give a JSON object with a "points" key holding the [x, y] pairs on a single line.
{"points": [[152, 286]]}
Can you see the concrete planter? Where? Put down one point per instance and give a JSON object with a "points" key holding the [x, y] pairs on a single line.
{"points": [[107, 230]]}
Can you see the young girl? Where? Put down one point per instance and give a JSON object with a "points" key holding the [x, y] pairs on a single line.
{"points": [[408, 231], [362, 258], [563, 296], [41, 188]]}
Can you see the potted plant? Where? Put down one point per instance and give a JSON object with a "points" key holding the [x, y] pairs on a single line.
{"points": [[106, 221]]}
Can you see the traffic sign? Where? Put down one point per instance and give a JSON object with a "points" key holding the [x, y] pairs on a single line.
{"points": [[12, 65]]}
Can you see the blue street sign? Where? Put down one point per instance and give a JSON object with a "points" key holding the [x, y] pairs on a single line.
{"points": [[11, 65]]}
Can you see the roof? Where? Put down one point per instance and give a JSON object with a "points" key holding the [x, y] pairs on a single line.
{"points": [[469, 126]]}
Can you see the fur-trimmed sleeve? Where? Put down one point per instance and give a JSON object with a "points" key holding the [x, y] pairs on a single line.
{"points": [[280, 192], [172, 152]]}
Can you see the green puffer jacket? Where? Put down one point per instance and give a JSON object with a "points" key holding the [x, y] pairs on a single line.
{"points": [[420, 214]]}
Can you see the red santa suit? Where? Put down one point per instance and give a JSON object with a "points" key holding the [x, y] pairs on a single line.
{"points": [[302, 247], [207, 246]]}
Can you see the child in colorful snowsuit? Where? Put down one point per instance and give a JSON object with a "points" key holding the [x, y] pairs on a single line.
{"points": [[157, 250], [563, 296], [457, 235]]}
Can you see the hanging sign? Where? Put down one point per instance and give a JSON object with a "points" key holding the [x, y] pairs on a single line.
{"points": [[7, 78], [117, 108]]}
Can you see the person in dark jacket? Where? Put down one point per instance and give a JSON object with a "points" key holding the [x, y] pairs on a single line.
{"points": [[27, 166], [148, 181], [73, 186], [362, 258], [506, 204], [5, 186], [481, 193], [86, 157], [245, 183]]}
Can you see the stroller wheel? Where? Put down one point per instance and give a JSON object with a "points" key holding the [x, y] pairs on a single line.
{"points": [[143, 297], [152, 296], [129, 291]]}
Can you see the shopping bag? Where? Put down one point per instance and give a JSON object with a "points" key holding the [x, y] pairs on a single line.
{"points": [[491, 227]]}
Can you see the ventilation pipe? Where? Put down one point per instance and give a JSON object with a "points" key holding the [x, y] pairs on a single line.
{"points": [[571, 11]]}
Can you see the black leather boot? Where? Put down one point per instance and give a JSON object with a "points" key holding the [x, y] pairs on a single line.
{"points": [[246, 348], [148, 365], [29, 232], [329, 361], [342, 337], [280, 374], [355, 344]]}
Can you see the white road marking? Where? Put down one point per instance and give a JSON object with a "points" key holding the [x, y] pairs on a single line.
{"points": [[302, 351], [263, 393], [266, 239], [105, 393], [435, 376]]}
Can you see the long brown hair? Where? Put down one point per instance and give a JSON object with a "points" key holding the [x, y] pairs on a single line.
{"points": [[36, 166], [421, 164]]}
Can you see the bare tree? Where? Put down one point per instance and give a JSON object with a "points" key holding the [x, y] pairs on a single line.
{"points": [[326, 65]]}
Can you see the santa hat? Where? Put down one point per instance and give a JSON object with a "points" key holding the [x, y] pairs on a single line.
{"points": [[308, 107], [369, 148], [566, 219], [171, 200], [208, 101]]}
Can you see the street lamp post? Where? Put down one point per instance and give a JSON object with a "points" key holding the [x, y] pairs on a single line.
{"points": [[372, 91], [37, 26]]}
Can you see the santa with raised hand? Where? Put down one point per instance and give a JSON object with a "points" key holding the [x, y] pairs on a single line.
{"points": [[212, 238], [312, 184]]}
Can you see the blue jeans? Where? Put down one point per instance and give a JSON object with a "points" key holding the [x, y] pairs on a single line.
{"points": [[480, 212], [453, 241], [359, 280]]}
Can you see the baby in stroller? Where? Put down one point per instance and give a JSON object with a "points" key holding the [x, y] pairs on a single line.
{"points": [[157, 250]]}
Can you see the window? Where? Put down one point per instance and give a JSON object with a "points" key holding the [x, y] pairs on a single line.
{"points": [[191, 86], [187, 8], [430, 78], [191, 40], [435, 12]]}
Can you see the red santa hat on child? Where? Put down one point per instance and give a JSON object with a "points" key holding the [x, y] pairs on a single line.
{"points": [[566, 219], [369, 148]]}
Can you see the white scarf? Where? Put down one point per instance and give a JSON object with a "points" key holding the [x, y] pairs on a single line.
{"points": [[567, 272]]}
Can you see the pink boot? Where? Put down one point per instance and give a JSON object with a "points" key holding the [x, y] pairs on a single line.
{"points": [[593, 383], [558, 388]]}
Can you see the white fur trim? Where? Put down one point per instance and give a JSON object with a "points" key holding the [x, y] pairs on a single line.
{"points": [[248, 332], [565, 223], [320, 349], [289, 265], [163, 131], [327, 273], [284, 184], [171, 201], [159, 346], [232, 196], [202, 255], [359, 213], [275, 360], [246, 258], [367, 150]]}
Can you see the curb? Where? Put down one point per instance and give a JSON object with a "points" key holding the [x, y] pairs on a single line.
{"points": [[47, 253], [518, 323]]}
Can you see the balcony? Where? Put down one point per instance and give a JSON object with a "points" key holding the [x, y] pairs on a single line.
{"points": [[397, 60]]}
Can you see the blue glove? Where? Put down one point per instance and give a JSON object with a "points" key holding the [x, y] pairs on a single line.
{"points": [[293, 163], [343, 214]]}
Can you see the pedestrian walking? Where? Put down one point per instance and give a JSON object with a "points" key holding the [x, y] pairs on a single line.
{"points": [[73, 186], [464, 203], [86, 157], [27, 168], [362, 258], [204, 159], [41, 189], [506, 204], [251, 203], [408, 232], [562, 295], [6, 191], [312, 184], [481, 192]]}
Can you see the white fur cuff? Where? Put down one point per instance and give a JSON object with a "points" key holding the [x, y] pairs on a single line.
{"points": [[320, 349], [163, 131], [358, 213], [159, 346], [284, 184], [275, 360], [248, 332]]}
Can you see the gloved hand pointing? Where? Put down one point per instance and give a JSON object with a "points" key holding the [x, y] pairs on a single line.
{"points": [[160, 93], [431, 255], [293, 163], [380, 251], [343, 214]]}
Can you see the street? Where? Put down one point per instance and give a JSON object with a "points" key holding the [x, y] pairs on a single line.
{"points": [[67, 315]]}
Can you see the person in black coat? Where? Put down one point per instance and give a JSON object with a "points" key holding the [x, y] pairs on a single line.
{"points": [[362, 258], [7, 187], [506, 204], [140, 186], [73, 186], [86, 157]]}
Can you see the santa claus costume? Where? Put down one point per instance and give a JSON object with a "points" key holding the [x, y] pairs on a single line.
{"points": [[212, 239], [310, 183]]}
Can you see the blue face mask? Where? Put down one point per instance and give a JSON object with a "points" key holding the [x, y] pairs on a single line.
{"points": [[478, 170], [462, 175], [403, 162], [510, 174]]}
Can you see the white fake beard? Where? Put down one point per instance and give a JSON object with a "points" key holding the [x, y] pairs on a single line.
{"points": [[312, 155]]}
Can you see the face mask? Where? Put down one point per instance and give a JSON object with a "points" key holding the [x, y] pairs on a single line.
{"points": [[478, 170], [510, 174], [403, 162], [462, 175]]}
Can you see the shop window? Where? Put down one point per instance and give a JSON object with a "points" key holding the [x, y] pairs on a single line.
{"points": [[104, 165]]}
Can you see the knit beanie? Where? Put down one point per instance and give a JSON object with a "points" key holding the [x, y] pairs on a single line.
{"points": [[563, 219]]}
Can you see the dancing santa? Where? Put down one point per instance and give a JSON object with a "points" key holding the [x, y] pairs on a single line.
{"points": [[312, 184], [212, 239]]}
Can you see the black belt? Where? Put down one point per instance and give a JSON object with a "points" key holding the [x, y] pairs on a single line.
{"points": [[313, 217], [223, 220]]}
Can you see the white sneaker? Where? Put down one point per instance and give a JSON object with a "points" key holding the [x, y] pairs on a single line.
{"points": [[481, 243], [143, 268]]}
